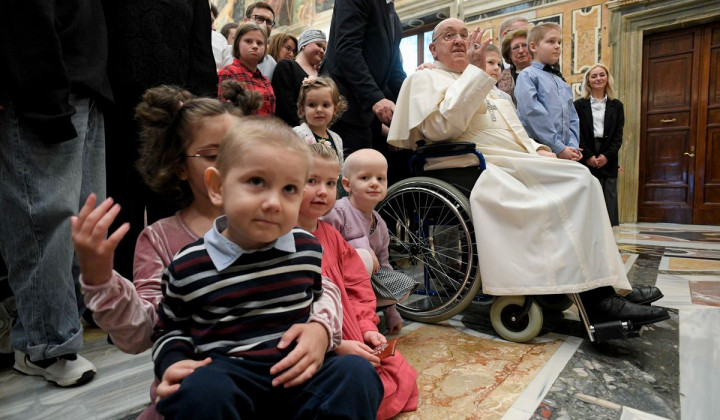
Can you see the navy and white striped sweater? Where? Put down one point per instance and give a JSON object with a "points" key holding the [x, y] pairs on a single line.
{"points": [[241, 311]]}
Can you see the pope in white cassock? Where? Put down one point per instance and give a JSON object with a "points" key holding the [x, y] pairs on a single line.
{"points": [[541, 222]]}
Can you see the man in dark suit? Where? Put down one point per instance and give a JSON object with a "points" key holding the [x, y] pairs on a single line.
{"points": [[363, 57]]}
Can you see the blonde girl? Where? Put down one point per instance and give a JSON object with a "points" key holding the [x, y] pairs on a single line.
{"points": [[602, 118], [319, 106]]}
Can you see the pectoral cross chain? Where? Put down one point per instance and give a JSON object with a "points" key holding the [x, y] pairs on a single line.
{"points": [[491, 110]]}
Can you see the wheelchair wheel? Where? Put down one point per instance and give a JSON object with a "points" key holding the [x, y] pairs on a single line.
{"points": [[509, 325], [432, 241], [556, 303]]}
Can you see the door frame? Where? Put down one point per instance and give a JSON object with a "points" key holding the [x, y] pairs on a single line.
{"points": [[630, 21]]}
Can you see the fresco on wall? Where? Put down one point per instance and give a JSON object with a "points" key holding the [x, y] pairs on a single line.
{"points": [[282, 10], [304, 11], [586, 38]]}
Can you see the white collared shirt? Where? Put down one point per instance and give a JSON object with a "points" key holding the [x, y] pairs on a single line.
{"points": [[598, 113], [223, 252]]}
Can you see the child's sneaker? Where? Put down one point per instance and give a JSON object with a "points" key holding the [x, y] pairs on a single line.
{"points": [[66, 370]]}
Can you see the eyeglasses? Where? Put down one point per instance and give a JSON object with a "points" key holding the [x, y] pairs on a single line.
{"points": [[518, 46], [450, 36], [263, 20], [210, 154]]}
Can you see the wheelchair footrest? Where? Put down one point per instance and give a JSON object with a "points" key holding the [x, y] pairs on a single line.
{"points": [[614, 330]]}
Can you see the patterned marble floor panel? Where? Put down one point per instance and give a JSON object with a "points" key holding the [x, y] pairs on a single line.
{"points": [[462, 376]]}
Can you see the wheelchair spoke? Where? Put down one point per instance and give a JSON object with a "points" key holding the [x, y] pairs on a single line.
{"points": [[431, 242]]}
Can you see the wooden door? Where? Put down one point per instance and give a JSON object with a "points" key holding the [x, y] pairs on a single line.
{"points": [[706, 209], [680, 129]]}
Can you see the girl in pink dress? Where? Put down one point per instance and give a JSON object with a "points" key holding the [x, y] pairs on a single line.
{"points": [[342, 265]]}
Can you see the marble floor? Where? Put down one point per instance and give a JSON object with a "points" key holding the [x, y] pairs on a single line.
{"points": [[467, 371]]}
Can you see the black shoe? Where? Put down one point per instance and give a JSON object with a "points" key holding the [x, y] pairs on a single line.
{"points": [[615, 308], [644, 295]]}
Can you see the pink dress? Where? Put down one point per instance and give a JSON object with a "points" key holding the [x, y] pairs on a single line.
{"points": [[342, 265]]}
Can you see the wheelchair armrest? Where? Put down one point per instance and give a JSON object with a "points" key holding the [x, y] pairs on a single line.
{"points": [[445, 148]]}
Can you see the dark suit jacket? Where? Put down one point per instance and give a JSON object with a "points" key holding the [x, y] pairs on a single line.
{"points": [[612, 135], [362, 57]]}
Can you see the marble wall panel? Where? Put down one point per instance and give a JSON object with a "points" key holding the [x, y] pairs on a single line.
{"points": [[586, 38]]}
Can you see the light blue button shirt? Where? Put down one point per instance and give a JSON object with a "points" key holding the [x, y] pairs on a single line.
{"points": [[545, 108], [223, 252]]}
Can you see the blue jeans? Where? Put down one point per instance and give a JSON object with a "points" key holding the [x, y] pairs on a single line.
{"points": [[346, 387], [41, 186]]}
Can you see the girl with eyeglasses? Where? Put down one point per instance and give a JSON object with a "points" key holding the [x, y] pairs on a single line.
{"points": [[180, 135], [282, 46]]}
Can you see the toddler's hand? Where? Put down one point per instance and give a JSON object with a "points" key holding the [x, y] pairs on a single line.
{"points": [[359, 349], [374, 338], [175, 374], [89, 229], [307, 356]]}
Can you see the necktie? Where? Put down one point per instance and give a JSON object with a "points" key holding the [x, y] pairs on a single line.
{"points": [[550, 69]]}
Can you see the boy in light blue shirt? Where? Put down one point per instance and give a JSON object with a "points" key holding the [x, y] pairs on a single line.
{"points": [[544, 100]]}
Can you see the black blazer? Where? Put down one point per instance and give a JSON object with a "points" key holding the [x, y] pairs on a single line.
{"points": [[363, 57], [612, 135]]}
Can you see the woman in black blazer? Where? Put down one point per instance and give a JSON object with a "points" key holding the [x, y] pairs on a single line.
{"points": [[601, 129]]}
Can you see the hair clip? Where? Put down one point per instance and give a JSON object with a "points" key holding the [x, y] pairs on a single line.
{"points": [[308, 81], [310, 140], [180, 104]]}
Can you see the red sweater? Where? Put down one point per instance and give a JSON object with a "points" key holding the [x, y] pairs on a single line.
{"points": [[252, 81]]}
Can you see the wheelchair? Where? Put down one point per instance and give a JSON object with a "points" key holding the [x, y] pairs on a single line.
{"points": [[432, 239]]}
